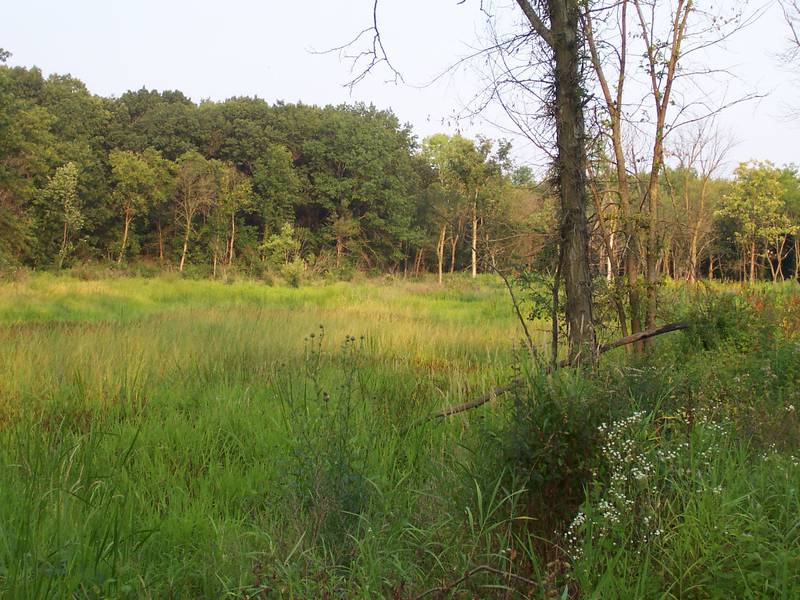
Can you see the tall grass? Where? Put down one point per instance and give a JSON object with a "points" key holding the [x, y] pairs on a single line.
{"points": [[186, 439]]}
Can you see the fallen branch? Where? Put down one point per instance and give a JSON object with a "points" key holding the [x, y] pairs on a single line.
{"points": [[470, 573], [503, 389], [643, 335]]}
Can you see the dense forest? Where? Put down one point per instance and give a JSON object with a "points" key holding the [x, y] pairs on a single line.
{"points": [[243, 186]]}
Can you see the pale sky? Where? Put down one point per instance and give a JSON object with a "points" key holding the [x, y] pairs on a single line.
{"points": [[213, 49]]}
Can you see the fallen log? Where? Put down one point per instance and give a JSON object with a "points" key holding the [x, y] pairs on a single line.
{"points": [[642, 335], [503, 389]]}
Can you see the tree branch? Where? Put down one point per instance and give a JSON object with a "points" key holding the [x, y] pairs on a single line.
{"points": [[503, 389], [536, 22], [482, 568]]}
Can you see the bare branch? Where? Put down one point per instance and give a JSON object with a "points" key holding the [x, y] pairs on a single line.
{"points": [[536, 22], [515, 383], [471, 573], [375, 54]]}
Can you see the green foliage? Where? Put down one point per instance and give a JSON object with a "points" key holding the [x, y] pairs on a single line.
{"points": [[352, 178], [719, 318], [756, 204], [293, 271], [61, 213], [282, 248]]}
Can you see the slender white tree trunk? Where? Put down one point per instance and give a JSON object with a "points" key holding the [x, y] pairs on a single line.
{"points": [[440, 251], [124, 237], [475, 235], [185, 246]]}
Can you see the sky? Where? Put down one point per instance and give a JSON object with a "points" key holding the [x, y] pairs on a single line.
{"points": [[215, 50]]}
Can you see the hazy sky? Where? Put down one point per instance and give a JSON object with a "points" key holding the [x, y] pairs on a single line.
{"points": [[213, 49]]}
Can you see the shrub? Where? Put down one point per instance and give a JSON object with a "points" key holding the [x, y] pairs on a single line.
{"points": [[293, 272]]}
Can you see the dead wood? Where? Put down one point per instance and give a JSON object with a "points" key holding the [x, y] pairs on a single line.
{"points": [[503, 389], [479, 569]]}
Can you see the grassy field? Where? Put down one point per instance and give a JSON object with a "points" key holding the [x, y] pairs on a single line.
{"points": [[191, 439]]}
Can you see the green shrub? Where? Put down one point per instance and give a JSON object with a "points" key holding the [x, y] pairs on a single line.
{"points": [[294, 271]]}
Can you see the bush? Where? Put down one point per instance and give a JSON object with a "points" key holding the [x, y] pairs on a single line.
{"points": [[716, 318], [293, 272], [547, 444]]}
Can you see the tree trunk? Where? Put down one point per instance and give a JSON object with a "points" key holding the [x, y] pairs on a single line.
{"points": [[440, 251], [125, 229], [651, 262], [614, 101], [453, 244], [692, 274], [773, 267], [63, 250], [233, 237], [185, 248], [753, 261], [661, 91], [571, 174], [160, 243], [797, 256], [475, 235], [781, 256], [608, 244]]}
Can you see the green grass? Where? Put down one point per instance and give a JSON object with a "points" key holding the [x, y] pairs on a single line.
{"points": [[191, 439]]}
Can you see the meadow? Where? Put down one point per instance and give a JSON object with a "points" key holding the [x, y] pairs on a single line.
{"points": [[168, 438]]}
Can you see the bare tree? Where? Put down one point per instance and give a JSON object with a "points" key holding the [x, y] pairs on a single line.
{"points": [[701, 152], [644, 95]]}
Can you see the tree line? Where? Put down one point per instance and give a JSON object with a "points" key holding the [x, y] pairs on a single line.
{"points": [[246, 185], [153, 176]]}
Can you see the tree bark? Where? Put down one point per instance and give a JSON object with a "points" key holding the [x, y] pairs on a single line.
{"points": [[562, 37], [440, 251], [160, 243], [418, 261], [475, 235], [63, 250], [797, 256], [125, 229], [185, 246], [453, 245], [781, 256], [233, 237], [571, 174]]}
